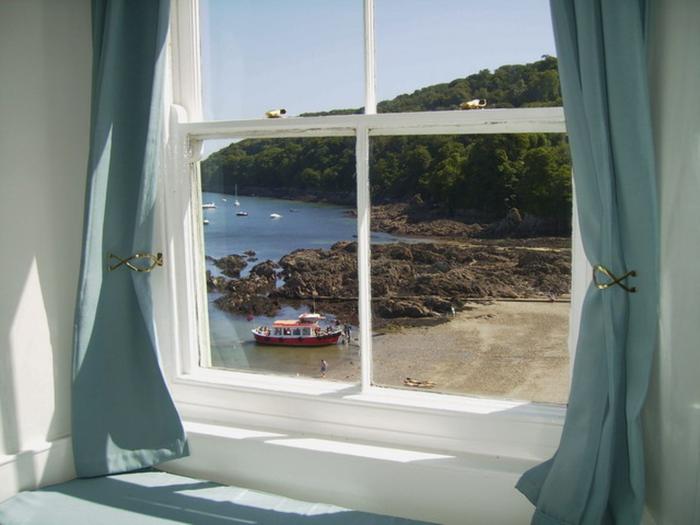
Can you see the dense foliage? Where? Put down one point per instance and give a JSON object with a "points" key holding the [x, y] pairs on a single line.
{"points": [[488, 173]]}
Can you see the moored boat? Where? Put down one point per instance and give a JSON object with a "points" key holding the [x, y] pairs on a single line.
{"points": [[242, 213], [208, 205], [305, 331]]}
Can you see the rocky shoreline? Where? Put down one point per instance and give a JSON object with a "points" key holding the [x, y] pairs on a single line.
{"points": [[420, 219], [411, 283], [464, 258]]}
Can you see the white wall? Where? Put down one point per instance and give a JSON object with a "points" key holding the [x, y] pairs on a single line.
{"points": [[45, 64], [672, 418]]}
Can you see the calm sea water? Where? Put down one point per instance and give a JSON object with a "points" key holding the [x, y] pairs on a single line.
{"points": [[302, 225]]}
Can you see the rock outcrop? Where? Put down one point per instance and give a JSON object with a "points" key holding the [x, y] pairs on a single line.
{"points": [[409, 281], [251, 295], [231, 265]]}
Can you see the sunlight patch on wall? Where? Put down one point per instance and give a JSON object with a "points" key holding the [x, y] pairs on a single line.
{"points": [[29, 338]]}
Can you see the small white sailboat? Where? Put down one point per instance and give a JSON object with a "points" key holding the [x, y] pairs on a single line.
{"points": [[236, 203], [208, 205], [205, 221], [275, 216]]}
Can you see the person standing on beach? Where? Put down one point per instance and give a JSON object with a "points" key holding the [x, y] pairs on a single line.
{"points": [[324, 367]]}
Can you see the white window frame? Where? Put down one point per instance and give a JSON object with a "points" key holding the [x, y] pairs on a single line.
{"points": [[467, 424]]}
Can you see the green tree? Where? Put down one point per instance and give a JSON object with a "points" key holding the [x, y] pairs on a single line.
{"points": [[545, 184], [489, 173]]}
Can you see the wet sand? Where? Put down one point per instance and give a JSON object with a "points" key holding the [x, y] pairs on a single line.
{"points": [[514, 350]]}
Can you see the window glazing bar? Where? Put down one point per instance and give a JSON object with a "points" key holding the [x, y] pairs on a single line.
{"points": [[364, 206], [475, 122], [370, 70], [363, 258]]}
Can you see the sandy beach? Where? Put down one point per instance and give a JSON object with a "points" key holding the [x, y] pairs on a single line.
{"points": [[513, 350]]}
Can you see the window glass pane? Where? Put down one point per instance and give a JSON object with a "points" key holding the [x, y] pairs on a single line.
{"points": [[280, 241], [473, 296], [259, 55], [441, 54]]}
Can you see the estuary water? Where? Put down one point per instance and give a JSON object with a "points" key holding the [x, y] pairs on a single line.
{"points": [[300, 225]]}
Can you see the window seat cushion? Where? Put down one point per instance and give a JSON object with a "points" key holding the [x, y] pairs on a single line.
{"points": [[158, 498]]}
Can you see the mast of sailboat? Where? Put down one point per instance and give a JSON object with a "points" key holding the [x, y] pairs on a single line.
{"points": [[235, 202]]}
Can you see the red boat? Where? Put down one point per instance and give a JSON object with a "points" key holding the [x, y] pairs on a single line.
{"points": [[306, 331]]}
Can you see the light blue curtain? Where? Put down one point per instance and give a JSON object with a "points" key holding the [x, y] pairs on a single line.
{"points": [[122, 415], [597, 474]]}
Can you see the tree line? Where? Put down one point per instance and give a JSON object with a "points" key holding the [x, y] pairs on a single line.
{"points": [[484, 173]]}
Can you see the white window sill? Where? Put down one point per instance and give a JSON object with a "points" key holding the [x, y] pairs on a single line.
{"points": [[437, 486], [365, 450], [466, 425], [432, 485]]}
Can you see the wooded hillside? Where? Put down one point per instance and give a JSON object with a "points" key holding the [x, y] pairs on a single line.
{"points": [[488, 174]]}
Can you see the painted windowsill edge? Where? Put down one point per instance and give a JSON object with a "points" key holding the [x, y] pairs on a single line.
{"points": [[379, 396], [428, 421], [359, 475]]}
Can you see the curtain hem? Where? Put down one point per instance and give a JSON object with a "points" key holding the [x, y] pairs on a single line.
{"points": [[130, 460]]}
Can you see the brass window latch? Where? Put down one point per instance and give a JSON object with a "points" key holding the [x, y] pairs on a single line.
{"points": [[148, 261]]}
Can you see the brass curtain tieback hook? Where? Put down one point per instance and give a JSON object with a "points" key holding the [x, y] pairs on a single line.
{"points": [[614, 279], [153, 261]]}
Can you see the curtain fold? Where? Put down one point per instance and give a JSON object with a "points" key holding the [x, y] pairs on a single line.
{"points": [[123, 417], [597, 474]]}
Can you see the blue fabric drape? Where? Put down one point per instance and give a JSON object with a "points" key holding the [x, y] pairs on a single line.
{"points": [[597, 474], [122, 415]]}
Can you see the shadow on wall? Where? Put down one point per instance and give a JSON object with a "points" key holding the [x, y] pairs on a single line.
{"points": [[45, 129]]}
